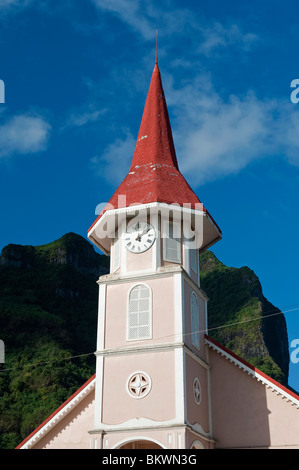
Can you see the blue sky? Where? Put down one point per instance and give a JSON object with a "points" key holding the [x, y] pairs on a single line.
{"points": [[76, 76]]}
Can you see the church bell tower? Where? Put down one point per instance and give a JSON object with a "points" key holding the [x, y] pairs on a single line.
{"points": [[152, 367]]}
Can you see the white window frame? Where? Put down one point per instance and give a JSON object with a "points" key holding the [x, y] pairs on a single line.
{"points": [[195, 336], [166, 229], [149, 336]]}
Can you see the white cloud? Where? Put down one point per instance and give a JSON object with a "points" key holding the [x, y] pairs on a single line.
{"points": [[79, 119], [8, 4], [214, 137], [218, 36], [22, 134], [131, 12], [114, 163], [172, 21], [288, 133]]}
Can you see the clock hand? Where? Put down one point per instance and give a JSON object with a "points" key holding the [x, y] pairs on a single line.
{"points": [[140, 235], [145, 231]]}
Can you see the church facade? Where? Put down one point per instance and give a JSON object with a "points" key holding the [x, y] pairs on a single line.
{"points": [[161, 382]]}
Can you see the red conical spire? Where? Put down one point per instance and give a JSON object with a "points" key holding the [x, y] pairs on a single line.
{"points": [[154, 174], [154, 142]]}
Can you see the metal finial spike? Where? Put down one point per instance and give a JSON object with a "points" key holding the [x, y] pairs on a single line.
{"points": [[156, 61]]}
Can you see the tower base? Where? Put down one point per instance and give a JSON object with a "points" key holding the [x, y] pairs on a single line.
{"points": [[178, 437]]}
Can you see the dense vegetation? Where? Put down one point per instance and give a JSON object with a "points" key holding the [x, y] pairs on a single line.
{"points": [[250, 325], [48, 315]]}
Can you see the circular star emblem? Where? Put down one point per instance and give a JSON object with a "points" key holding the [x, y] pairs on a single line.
{"points": [[139, 385], [196, 391]]}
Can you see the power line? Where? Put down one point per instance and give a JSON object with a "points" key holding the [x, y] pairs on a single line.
{"points": [[253, 319], [33, 364], [162, 337]]}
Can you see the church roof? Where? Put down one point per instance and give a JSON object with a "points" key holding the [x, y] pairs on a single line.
{"points": [[154, 174]]}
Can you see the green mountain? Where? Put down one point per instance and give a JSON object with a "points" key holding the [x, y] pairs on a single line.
{"points": [[242, 319], [48, 318]]}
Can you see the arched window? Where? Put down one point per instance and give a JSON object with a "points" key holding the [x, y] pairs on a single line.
{"points": [[197, 445], [139, 313], [194, 320]]}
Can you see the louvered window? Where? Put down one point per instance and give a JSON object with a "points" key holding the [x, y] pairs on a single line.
{"points": [[194, 320], [139, 313], [193, 259], [171, 242]]}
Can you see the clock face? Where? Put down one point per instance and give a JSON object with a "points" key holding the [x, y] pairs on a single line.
{"points": [[139, 237]]}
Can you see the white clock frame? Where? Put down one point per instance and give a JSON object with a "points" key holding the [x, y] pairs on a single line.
{"points": [[138, 240]]}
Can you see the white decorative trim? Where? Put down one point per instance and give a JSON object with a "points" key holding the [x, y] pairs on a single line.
{"points": [[158, 205], [152, 205], [179, 440], [196, 358], [253, 373], [209, 391], [163, 271], [178, 307], [59, 416], [197, 391], [100, 360], [197, 445], [101, 316], [138, 423], [152, 347], [150, 313], [180, 411], [98, 405], [198, 429], [195, 322], [135, 275], [115, 254], [156, 249], [138, 438], [122, 249]]}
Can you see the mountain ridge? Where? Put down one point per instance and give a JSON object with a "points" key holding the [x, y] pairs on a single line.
{"points": [[48, 318]]}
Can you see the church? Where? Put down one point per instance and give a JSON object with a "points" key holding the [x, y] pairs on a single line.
{"points": [[161, 382]]}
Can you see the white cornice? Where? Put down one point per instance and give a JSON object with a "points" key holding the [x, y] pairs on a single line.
{"points": [[163, 208], [113, 278], [142, 348]]}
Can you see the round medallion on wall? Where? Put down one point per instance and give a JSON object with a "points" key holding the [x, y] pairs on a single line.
{"points": [[139, 385], [196, 391]]}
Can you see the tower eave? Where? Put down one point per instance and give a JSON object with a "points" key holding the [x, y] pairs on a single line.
{"points": [[104, 229]]}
